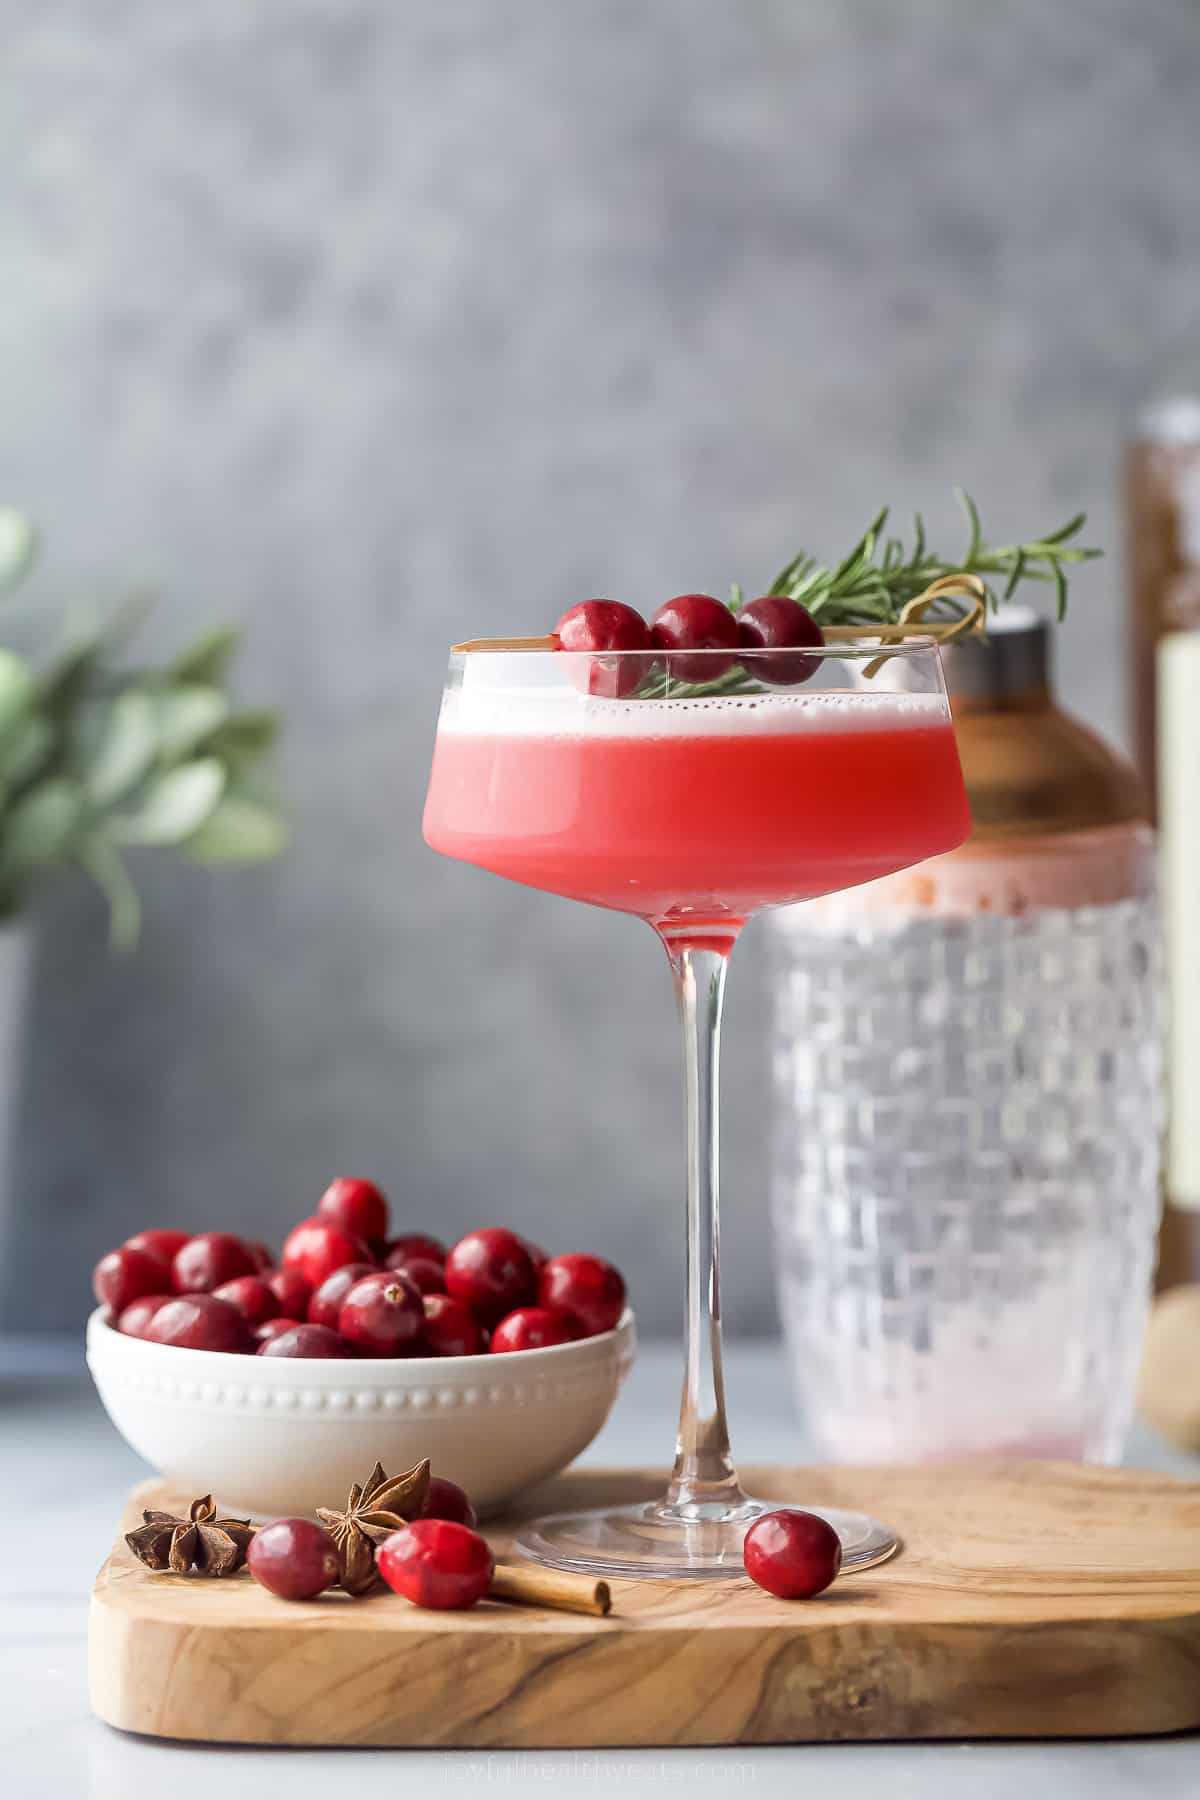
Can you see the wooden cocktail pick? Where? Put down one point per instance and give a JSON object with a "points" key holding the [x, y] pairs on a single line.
{"points": [[911, 622], [549, 642]]}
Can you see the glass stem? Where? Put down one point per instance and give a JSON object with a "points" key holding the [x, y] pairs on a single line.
{"points": [[704, 1484]]}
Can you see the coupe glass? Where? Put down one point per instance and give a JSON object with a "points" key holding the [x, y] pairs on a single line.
{"points": [[693, 791]]}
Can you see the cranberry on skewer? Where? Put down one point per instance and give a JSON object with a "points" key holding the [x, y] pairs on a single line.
{"points": [[775, 623], [698, 623], [599, 626]]}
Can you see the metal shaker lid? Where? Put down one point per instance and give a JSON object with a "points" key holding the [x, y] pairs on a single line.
{"points": [[1030, 770], [1011, 662]]}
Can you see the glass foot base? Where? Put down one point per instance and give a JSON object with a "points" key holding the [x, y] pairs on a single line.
{"points": [[647, 1543]]}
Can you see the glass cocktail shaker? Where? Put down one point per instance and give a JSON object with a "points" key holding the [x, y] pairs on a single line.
{"points": [[967, 1079]]}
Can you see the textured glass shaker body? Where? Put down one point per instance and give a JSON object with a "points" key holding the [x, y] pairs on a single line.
{"points": [[967, 1118]]}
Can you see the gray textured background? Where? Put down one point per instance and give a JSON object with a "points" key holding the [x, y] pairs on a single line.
{"points": [[373, 325]]}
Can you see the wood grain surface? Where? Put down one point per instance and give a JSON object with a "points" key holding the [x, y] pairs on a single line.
{"points": [[1043, 1600]]}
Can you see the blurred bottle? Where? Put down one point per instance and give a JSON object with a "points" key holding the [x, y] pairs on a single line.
{"points": [[967, 1074], [1162, 526]]}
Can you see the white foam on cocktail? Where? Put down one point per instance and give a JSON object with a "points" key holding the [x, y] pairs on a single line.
{"points": [[486, 710]]}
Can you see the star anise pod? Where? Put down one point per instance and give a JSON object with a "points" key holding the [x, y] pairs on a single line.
{"points": [[380, 1506], [200, 1541]]}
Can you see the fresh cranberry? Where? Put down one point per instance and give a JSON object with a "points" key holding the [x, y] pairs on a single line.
{"points": [[317, 1247], [126, 1274], [792, 1554], [138, 1314], [776, 623], [293, 1558], [264, 1260], [208, 1261], [357, 1206], [451, 1329], [605, 625], [695, 622], [273, 1328], [446, 1500], [200, 1322], [326, 1303], [532, 1328], [586, 1286], [414, 1243], [437, 1563], [159, 1243], [306, 1340], [490, 1271], [252, 1297], [427, 1276], [537, 1255], [382, 1315], [293, 1292]]}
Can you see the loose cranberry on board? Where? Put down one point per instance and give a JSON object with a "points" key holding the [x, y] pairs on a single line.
{"points": [[437, 1563], [446, 1500], [295, 1559], [792, 1554]]}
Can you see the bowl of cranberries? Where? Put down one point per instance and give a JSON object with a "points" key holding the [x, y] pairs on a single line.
{"points": [[274, 1381]]}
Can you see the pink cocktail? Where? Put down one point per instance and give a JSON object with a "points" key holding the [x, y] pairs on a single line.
{"points": [[692, 812], [694, 805]]}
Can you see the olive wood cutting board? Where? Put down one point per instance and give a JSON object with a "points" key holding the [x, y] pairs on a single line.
{"points": [[1034, 1600]]}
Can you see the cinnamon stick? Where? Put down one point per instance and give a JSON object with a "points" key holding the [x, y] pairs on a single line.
{"points": [[528, 1585]]}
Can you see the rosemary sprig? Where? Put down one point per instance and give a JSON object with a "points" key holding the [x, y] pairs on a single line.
{"points": [[875, 580], [878, 577]]}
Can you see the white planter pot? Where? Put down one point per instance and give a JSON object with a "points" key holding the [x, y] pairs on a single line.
{"points": [[16, 969]]}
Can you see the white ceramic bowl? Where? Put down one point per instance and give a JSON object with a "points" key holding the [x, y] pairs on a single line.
{"points": [[269, 1435]]}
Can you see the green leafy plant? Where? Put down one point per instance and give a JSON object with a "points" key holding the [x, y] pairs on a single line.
{"points": [[98, 758]]}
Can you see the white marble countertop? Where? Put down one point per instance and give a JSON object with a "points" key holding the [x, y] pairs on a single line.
{"points": [[65, 1478]]}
